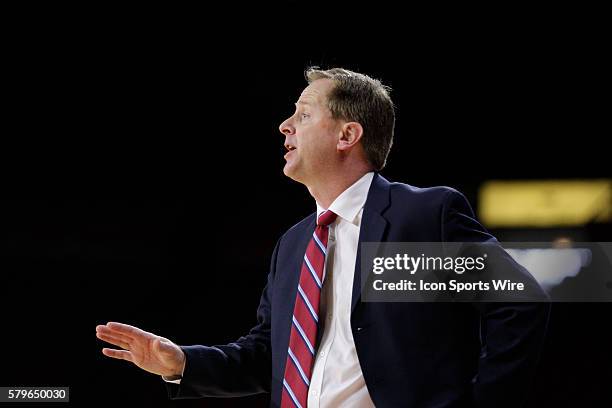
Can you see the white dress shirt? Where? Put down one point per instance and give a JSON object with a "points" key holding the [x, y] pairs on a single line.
{"points": [[337, 380]]}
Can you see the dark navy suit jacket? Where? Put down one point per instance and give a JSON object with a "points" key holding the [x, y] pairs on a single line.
{"points": [[411, 354]]}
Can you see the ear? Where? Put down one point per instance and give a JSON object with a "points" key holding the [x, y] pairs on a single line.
{"points": [[350, 135]]}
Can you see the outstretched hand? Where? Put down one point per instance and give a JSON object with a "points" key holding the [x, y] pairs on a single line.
{"points": [[148, 351]]}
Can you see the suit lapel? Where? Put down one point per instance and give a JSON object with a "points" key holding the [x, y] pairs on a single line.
{"points": [[289, 287], [373, 226]]}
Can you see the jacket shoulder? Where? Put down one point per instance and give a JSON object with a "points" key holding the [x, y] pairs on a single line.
{"points": [[427, 194], [426, 201]]}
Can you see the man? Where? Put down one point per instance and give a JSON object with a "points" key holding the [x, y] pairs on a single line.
{"points": [[316, 343]]}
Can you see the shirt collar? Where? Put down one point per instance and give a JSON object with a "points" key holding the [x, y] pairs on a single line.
{"points": [[348, 204]]}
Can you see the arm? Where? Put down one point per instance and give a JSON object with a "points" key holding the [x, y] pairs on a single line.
{"points": [[512, 334]]}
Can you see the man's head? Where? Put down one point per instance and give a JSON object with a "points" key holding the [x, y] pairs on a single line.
{"points": [[343, 119]]}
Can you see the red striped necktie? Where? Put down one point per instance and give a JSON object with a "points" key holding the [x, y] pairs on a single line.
{"points": [[303, 338]]}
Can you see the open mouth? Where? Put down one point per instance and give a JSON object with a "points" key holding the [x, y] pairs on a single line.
{"points": [[289, 148]]}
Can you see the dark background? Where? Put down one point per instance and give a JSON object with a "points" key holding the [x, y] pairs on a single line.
{"points": [[142, 171]]}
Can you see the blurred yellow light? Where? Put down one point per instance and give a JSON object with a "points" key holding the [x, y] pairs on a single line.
{"points": [[545, 203]]}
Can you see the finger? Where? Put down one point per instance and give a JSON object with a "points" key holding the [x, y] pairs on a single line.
{"points": [[113, 340], [125, 329], [118, 354], [108, 332]]}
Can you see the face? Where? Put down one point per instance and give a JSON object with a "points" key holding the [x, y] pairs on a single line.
{"points": [[311, 134]]}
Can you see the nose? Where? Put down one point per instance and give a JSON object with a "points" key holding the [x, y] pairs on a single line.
{"points": [[286, 128]]}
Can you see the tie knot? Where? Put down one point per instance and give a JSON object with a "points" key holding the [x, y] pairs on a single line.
{"points": [[326, 218]]}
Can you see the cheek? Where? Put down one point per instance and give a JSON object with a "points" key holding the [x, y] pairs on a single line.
{"points": [[318, 146], [327, 143], [320, 138]]}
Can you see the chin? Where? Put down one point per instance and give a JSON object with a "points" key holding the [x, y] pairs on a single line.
{"points": [[288, 171], [291, 172]]}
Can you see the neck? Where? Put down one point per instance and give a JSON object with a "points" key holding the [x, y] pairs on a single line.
{"points": [[327, 190]]}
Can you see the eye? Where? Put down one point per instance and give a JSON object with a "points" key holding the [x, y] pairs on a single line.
{"points": [[305, 115]]}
